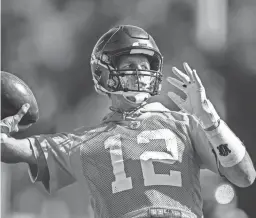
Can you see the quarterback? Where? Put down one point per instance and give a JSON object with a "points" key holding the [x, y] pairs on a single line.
{"points": [[142, 160]]}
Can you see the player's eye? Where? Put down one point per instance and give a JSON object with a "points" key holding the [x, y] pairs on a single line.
{"points": [[127, 66], [145, 66]]}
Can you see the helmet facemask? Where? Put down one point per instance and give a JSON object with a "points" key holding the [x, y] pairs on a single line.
{"points": [[134, 84]]}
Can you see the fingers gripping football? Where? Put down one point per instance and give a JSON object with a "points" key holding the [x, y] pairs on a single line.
{"points": [[12, 122]]}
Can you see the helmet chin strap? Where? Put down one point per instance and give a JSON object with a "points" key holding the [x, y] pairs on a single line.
{"points": [[136, 98]]}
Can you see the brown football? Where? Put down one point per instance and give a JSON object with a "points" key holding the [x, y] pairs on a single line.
{"points": [[15, 93]]}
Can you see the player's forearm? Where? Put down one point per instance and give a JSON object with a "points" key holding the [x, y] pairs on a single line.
{"points": [[235, 162], [242, 174], [16, 151]]}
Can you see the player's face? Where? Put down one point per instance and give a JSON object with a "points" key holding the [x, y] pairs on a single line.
{"points": [[142, 77]]}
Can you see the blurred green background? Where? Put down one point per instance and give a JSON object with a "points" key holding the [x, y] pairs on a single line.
{"points": [[48, 44]]}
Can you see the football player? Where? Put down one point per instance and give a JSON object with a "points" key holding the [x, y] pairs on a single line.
{"points": [[142, 160]]}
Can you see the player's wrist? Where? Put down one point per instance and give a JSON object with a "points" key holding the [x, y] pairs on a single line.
{"points": [[228, 148], [208, 116], [213, 127]]}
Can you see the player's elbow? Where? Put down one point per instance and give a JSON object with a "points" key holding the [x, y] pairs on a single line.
{"points": [[249, 179], [247, 171], [246, 180], [242, 175]]}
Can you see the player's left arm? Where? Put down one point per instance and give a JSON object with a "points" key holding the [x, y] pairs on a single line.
{"points": [[240, 173], [235, 163]]}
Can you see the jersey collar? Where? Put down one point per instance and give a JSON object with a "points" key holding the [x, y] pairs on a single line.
{"points": [[151, 107]]}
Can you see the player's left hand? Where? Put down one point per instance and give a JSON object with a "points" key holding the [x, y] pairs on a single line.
{"points": [[196, 102]]}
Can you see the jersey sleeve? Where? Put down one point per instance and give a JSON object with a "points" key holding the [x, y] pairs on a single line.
{"points": [[53, 167], [204, 151]]}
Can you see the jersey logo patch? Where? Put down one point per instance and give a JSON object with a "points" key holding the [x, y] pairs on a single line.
{"points": [[223, 150], [134, 124]]}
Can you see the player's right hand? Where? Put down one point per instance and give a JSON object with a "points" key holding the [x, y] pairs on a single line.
{"points": [[11, 124]]}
